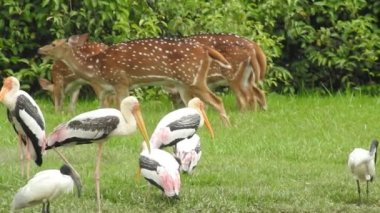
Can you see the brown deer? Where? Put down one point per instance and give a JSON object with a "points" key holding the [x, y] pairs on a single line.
{"points": [[64, 81], [77, 43], [145, 61], [244, 56]]}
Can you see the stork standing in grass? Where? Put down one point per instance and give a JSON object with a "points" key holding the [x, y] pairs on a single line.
{"points": [[362, 163], [97, 126], [180, 124], [44, 187], [161, 169], [189, 152], [27, 120]]}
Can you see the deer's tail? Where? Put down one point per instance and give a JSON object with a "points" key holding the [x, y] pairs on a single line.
{"points": [[218, 57]]}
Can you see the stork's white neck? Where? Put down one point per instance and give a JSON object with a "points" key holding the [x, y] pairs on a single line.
{"points": [[126, 111], [10, 98]]}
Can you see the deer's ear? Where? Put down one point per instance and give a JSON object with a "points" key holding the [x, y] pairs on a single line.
{"points": [[46, 84], [77, 40]]}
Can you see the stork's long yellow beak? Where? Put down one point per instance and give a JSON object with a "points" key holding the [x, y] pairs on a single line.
{"points": [[140, 124], [207, 122], [3, 92]]}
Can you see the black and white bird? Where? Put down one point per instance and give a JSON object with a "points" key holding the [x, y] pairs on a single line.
{"points": [[189, 152], [44, 187], [27, 120], [361, 163], [180, 124], [161, 169], [96, 127]]}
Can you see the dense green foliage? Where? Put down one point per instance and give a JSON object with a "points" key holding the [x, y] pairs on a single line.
{"points": [[320, 44]]}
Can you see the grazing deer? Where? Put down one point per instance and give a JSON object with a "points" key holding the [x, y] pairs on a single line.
{"points": [[145, 61], [77, 43], [64, 81], [244, 56]]}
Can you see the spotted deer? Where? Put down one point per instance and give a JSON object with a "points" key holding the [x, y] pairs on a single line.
{"points": [[66, 82], [248, 63], [145, 61], [83, 51]]}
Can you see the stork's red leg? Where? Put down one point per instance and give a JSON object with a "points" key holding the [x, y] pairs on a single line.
{"points": [[97, 175], [21, 154], [67, 162], [28, 158]]}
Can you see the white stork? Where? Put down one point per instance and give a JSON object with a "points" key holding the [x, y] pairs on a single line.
{"points": [[27, 120], [189, 152], [180, 124], [97, 126], [46, 186], [161, 169], [361, 163]]}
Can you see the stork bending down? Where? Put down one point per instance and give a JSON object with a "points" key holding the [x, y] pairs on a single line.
{"points": [[161, 169], [189, 152]]}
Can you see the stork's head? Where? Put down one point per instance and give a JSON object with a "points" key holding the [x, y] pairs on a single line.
{"points": [[373, 149], [10, 84], [67, 170], [197, 104], [131, 104]]}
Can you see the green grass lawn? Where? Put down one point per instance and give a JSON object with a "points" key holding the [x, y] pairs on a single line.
{"points": [[291, 158]]}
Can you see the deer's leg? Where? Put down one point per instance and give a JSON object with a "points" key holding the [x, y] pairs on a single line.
{"points": [[257, 93], [255, 66], [240, 83], [254, 76], [260, 96], [58, 95], [240, 95], [206, 95], [185, 94], [200, 89], [174, 95], [74, 99], [110, 100], [122, 91], [100, 93]]}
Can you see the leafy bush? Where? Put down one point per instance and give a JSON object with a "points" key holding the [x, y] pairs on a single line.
{"points": [[331, 45]]}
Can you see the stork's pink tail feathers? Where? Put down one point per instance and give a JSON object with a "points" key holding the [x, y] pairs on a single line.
{"points": [[170, 184], [43, 145], [56, 136]]}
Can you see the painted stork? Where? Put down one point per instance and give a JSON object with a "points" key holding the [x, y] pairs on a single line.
{"points": [[189, 152], [27, 120], [97, 126], [161, 169], [180, 124], [46, 186], [361, 163]]}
